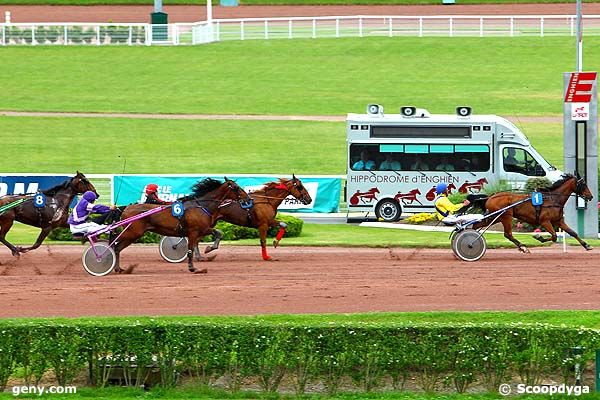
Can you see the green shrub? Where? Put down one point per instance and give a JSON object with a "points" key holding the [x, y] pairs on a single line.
{"points": [[53, 33], [534, 184], [496, 187]]}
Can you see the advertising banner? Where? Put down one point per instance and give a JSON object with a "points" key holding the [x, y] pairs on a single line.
{"points": [[29, 184], [324, 191]]}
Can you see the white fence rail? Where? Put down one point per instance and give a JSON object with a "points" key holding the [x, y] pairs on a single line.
{"points": [[294, 27]]}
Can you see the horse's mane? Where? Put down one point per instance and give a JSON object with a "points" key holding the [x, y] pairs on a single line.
{"points": [[558, 183], [271, 185], [202, 187], [57, 188]]}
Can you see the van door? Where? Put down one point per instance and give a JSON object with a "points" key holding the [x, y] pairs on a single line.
{"points": [[518, 165]]}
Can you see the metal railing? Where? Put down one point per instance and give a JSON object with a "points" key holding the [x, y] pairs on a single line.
{"points": [[294, 27]]}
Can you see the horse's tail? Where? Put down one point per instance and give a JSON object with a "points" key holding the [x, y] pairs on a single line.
{"points": [[477, 201]]}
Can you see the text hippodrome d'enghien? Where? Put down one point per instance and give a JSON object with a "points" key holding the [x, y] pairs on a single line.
{"points": [[403, 179]]}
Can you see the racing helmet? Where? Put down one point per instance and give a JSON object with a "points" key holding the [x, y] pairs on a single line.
{"points": [[151, 188], [441, 188], [90, 196]]}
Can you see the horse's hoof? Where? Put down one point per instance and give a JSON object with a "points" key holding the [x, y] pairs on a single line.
{"points": [[208, 249], [268, 258], [524, 250], [537, 236], [275, 243], [588, 247], [208, 258], [198, 271]]}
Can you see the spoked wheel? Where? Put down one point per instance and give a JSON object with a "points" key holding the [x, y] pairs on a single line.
{"points": [[173, 249], [99, 260], [468, 245]]}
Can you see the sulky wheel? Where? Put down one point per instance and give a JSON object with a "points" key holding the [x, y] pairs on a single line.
{"points": [[99, 259], [173, 249], [468, 245]]}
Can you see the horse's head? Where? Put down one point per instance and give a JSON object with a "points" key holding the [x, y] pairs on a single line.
{"points": [[297, 189], [235, 192], [581, 188], [80, 184]]}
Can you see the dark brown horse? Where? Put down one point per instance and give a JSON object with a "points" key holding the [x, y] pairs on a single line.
{"points": [[550, 213], [262, 214], [201, 213], [53, 215]]}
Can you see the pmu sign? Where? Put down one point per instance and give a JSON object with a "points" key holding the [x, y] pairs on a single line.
{"points": [[28, 184], [579, 88]]}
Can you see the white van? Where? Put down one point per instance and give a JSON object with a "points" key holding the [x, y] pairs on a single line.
{"points": [[396, 160]]}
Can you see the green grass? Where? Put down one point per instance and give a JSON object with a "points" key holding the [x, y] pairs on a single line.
{"points": [[310, 77], [194, 146]]}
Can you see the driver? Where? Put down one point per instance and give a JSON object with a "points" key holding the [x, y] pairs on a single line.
{"points": [[152, 195], [78, 223], [445, 208]]}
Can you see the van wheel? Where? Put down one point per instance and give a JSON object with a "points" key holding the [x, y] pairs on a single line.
{"points": [[388, 210]]}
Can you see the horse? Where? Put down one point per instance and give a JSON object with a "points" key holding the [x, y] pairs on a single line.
{"points": [[548, 216], [202, 209], [262, 214], [370, 195], [408, 197], [53, 215]]}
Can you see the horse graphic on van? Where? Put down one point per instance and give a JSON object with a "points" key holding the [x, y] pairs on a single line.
{"points": [[472, 187], [364, 197], [408, 198]]}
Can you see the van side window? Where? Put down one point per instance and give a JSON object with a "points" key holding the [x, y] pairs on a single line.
{"points": [[521, 161], [419, 157]]}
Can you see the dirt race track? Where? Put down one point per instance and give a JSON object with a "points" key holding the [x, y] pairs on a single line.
{"points": [[52, 282]]}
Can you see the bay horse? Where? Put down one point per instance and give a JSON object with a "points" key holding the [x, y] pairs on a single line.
{"points": [[53, 215], [264, 209], [202, 210], [550, 213]]}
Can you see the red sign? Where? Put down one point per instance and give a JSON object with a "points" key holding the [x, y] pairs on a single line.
{"points": [[580, 85]]}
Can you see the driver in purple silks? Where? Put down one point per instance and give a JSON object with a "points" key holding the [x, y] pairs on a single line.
{"points": [[78, 219]]}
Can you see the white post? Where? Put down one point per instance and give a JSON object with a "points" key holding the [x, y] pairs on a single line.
{"points": [[33, 35], [481, 27], [451, 26], [209, 15], [337, 27], [360, 27], [7, 17], [512, 27], [420, 27], [266, 29], [66, 38], [218, 31], [579, 39], [290, 29], [390, 28], [314, 28], [130, 34], [149, 35], [542, 27], [98, 35], [241, 30], [572, 22], [3, 35]]}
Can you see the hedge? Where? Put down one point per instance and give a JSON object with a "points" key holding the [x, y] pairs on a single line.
{"points": [[230, 231], [369, 356]]}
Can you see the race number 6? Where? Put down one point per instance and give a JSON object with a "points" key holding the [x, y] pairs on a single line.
{"points": [[39, 200], [177, 209]]}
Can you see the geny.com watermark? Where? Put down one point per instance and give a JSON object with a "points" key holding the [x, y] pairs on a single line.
{"points": [[41, 390], [505, 389]]}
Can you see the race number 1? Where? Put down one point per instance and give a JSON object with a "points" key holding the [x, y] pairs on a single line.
{"points": [[177, 209], [537, 199], [39, 200]]}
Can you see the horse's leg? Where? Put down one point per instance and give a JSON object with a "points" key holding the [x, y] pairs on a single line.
{"points": [[506, 221], [4, 228], [43, 234], [125, 240], [282, 226], [193, 239], [262, 231], [547, 225], [574, 234], [217, 236]]}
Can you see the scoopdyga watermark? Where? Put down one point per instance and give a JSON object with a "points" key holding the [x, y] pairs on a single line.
{"points": [[569, 390]]}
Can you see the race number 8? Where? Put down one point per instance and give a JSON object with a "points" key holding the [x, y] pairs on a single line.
{"points": [[39, 200], [177, 209]]}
